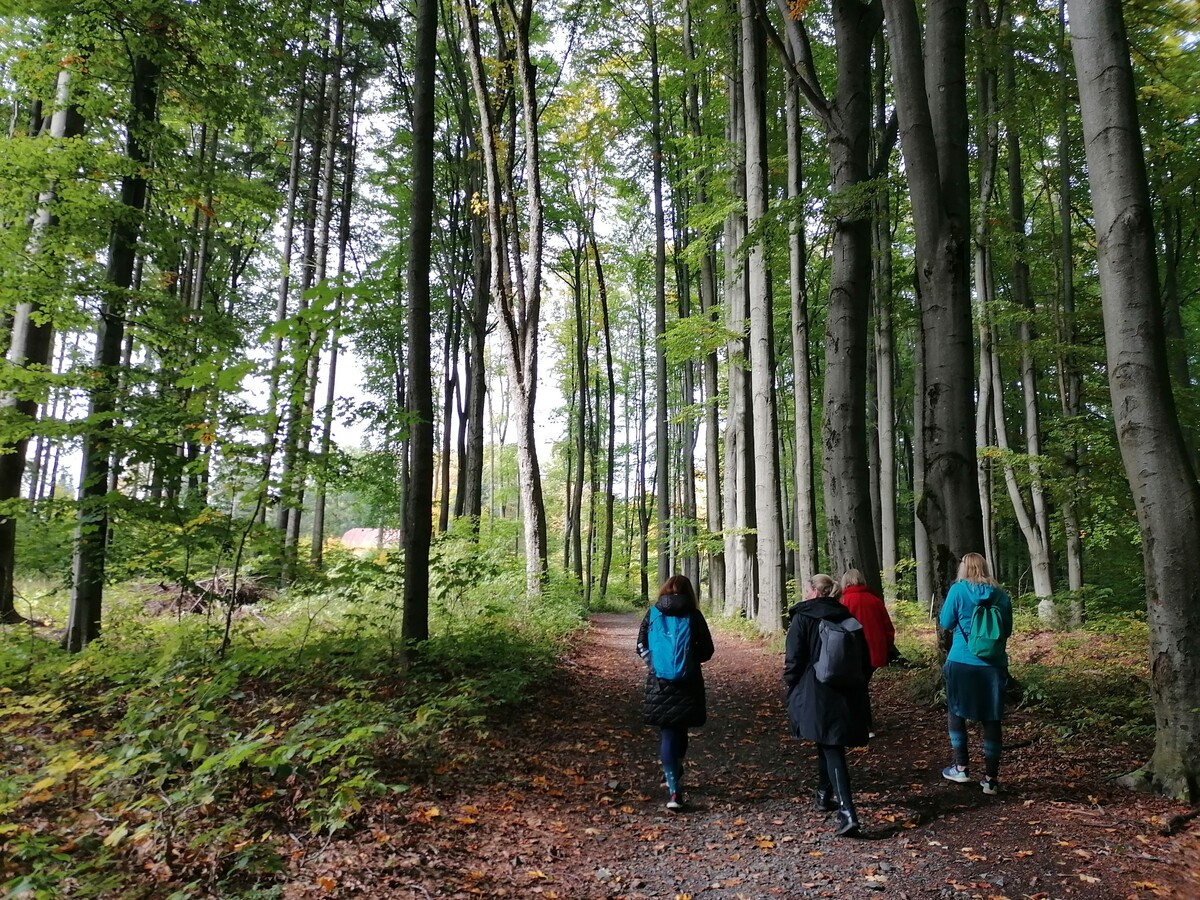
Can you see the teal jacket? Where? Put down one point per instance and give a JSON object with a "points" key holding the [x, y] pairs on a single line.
{"points": [[956, 617]]}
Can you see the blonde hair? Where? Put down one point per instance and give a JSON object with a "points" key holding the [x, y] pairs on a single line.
{"points": [[852, 576], [823, 585], [974, 568]]}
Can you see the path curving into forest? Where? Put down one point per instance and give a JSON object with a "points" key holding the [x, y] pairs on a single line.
{"points": [[563, 800]]}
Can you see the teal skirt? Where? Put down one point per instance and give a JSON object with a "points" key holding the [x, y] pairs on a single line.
{"points": [[975, 692]]}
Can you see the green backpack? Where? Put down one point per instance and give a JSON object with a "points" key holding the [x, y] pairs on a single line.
{"points": [[986, 639]]}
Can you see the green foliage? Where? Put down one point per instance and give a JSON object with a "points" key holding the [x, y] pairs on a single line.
{"points": [[1079, 697], [149, 746]]}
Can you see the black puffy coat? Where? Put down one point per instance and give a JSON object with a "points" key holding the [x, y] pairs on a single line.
{"points": [[677, 704], [818, 712]]}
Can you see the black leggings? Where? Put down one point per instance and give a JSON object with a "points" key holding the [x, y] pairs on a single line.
{"points": [[832, 772], [992, 743]]}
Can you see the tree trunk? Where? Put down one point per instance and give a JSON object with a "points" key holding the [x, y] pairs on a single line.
{"points": [[931, 108], [708, 302], [326, 446], [807, 560], [741, 575], [611, 430], [1072, 381], [885, 398], [769, 547], [91, 536], [846, 476], [662, 417], [516, 282], [1165, 489], [418, 510]]}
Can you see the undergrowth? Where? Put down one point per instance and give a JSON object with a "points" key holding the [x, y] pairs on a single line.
{"points": [[150, 766], [1075, 682]]}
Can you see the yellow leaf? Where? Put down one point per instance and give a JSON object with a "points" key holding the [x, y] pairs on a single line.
{"points": [[42, 785], [466, 820], [537, 874], [326, 883], [432, 813]]}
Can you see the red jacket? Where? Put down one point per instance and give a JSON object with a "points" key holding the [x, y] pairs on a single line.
{"points": [[877, 625]]}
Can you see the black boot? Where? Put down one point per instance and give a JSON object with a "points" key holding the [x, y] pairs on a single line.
{"points": [[825, 801], [847, 818], [847, 822]]}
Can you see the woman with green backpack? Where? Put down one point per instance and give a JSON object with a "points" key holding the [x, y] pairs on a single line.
{"points": [[978, 615]]}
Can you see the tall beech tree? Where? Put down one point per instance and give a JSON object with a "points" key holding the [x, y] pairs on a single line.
{"points": [[1166, 493], [931, 107], [768, 509]]}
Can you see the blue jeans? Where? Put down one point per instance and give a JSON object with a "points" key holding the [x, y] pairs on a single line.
{"points": [[673, 744]]}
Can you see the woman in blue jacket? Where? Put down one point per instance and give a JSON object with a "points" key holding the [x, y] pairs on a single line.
{"points": [[974, 686], [676, 706]]}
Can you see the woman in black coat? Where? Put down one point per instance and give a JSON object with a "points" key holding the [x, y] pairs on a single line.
{"points": [[675, 706], [832, 717]]}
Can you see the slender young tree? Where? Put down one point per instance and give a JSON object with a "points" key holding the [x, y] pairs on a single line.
{"points": [[516, 275], [418, 512], [91, 535], [31, 342]]}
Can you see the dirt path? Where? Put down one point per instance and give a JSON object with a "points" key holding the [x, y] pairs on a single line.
{"points": [[564, 802]]}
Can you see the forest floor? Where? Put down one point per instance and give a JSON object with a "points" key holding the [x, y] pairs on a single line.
{"points": [[563, 800]]}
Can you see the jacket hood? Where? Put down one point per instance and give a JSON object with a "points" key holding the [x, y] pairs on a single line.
{"points": [[674, 605], [821, 608], [979, 590]]}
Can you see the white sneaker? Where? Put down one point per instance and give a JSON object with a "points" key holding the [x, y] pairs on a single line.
{"points": [[956, 774]]}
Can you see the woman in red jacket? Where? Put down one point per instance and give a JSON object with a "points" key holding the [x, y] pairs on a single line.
{"points": [[867, 606]]}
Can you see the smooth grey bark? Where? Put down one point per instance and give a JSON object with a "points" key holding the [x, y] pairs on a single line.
{"points": [[516, 278], [741, 570], [1071, 380], [885, 366], [31, 344], [708, 309], [807, 559], [930, 90], [1165, 489], [662, 417], [92, 528], [846, 477], [768, 512]]}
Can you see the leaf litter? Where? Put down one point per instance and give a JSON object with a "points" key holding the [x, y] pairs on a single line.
{"points": [[563, 800]]}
